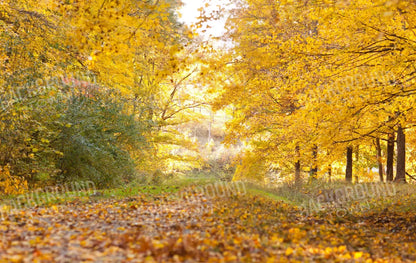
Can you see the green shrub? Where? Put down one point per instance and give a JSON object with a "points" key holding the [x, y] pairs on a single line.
{"points": [[96, 140]]}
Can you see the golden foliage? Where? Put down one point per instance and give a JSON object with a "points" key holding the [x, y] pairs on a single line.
{"points": [[322, 75], [11, 185]]}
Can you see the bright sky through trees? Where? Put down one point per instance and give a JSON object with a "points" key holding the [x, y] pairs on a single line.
{"points": [[189, 15]]}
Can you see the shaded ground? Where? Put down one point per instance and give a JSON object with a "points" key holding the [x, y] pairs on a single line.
{"points": [[195, 228]]}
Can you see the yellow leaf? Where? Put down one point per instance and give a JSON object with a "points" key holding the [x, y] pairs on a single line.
{"points": [[55, 208], [358, 254], [289, 251], [342, 249]]}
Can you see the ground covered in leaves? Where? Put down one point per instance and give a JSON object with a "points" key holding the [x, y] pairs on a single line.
{"points": [[191, 227]]}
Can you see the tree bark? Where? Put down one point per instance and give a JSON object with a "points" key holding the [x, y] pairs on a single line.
{"points": [[298, 178], [380, 163], [329, 173], [348, 170], [314, 169], [401, 156], [390, 157], [357, 164]]}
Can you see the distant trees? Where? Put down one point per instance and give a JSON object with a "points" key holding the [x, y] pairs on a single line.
{"points": [[307, 81]]}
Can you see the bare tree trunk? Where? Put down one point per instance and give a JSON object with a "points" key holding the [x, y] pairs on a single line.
{"points": [[390, 157], [314, 169], [401, 156], [380, 163], [329, 173], [348, 170], [298, 178], [357, 164]]}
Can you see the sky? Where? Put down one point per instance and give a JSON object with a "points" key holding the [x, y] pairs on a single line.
{"points": [[190, 13], [190, 10]]}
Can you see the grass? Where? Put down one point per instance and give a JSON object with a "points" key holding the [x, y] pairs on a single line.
{"points": [[285, 192], [400, 197], [255, 190], [402, 201], [47, 197]]}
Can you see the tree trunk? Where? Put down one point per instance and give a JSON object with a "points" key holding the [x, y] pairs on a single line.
{"points": [[390, 157], [348, 170], [314, 169], [329, 173], [298, 178], [401, 156], [380, 163], [357, 164]]}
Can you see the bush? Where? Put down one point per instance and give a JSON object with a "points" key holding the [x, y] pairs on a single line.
{"points": [[95, 143], [69, 136]]}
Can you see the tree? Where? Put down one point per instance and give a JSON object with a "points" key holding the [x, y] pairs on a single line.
{"points": [[390, 157], [348, 171], [314, 75], [119, 63], [401, 156], [380, 163]]}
